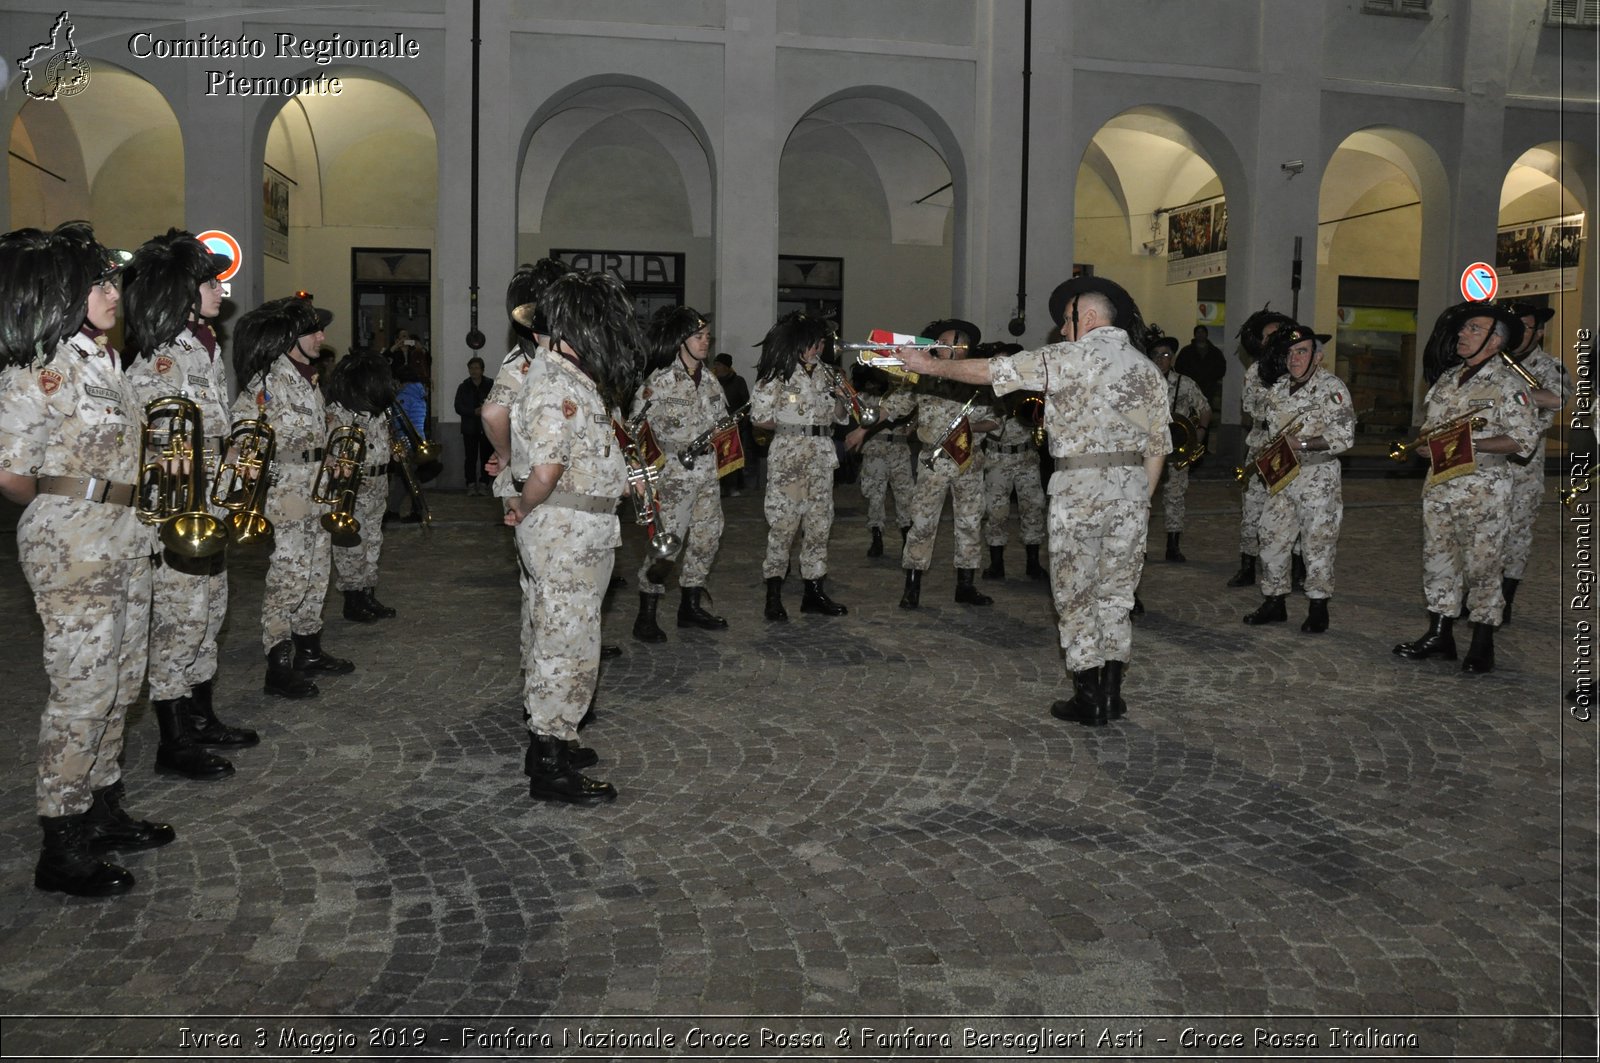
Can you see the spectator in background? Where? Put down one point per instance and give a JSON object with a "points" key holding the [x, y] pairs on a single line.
{"points": [[738, 394], [470, 396], [1202, 361]]}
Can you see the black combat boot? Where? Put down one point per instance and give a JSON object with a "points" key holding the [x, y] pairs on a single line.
{"points": [[206, 729], [178, 754], [553, 777], [1270, 611], [283, 678], [1508, 588], [775, 610], [68, 865], [905, 533], [1316, 621], [1246, 576], [608, 651], [1173, 553], [876, 549], [1480, 655], [578, 756], [1034, 569], [1110, 696], [691, 615], [1083, 707], [967, 592], [997, 563], [816, 600], [1297, 572], [377, 608], [1437, 642], [309, 657], [645, 628], [913, 592], [356, 608], [109, 827]]}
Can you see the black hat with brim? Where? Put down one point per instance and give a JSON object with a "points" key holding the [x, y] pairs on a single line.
{"points": [[113, 262], [1540, 314], [934, 329], [1127, 311], [1169, 344], [1506, 314], [219, 263]]}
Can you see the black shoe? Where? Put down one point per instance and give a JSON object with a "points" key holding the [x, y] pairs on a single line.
{"points": [[553, 777], [876, 549], [207, 730], [356, 608], [815, 600], [1034, 569], [68, 865], [645, 628], [608, 651], [1083, 707], [377, 608], [690, 614], [1316, 621], [1246, 576], [178, 754], [966, 591], [1480, 655], [997, 563], [1508, 588], [1438, 641], [109, 827], [1297, 572], [1173, 553], [283, 678], [309, 657], [775, 610], [1270, 611], [580, 757], [1110, 697], [913, 592]]}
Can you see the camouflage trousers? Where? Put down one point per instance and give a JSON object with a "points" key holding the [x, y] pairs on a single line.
{"points": [[297, 580], [1312, 508], [96, 620], [186, 614], [1175, 498], [691, 508], [1001, 474], [927, 503], [885, 467], [1098, 522], [1464, 526], [356, 567], [1527, 491], [1255, 500], [566, 559], [799, 499]]}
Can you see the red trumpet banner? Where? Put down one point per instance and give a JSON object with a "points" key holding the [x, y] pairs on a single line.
{"points": [[1278, 465], [729, 450], [1451, 454], [959, 445]]}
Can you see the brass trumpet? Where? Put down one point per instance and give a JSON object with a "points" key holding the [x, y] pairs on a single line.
{"points": [[339, 482], [424, 451], [172, 479], [241, 484], [1401, 451], [862, 409], [1242, 472], [414, 451], [938, 448], [701, 443], [1517, 367], [644, 482]]}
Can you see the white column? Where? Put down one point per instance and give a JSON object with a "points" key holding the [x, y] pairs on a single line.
{"points": [[747, 181], [994, 173]]}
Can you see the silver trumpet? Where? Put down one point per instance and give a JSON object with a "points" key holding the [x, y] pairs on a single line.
{"points": [[701, 444]]}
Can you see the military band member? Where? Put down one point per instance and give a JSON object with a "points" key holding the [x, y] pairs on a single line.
{"points": [[1527, 471], [565, 451], [1186, 401], [885, 464], [1011, 463], [936, 407], [1311, 505], [170, 294], [1106, 418], [798, 402], [274, 347], [70, 430], [1466, 514], [1253, 335], [682, 399], [524, 289], [361, 390]]}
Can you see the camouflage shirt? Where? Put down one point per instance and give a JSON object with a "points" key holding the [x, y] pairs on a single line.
{"points": [[184, 367], [559, 418], [293, 406], [680, 409], [1510, 410], [1252, 400], [1184, 398], [513, 371], [937, 404], [1552, 375], [1323, 405]]}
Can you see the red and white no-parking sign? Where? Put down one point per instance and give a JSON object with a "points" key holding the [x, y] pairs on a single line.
{"points": [[1479, 282], [219, 242]]}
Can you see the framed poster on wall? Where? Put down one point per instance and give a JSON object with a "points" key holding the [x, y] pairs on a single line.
{"points": [[275, 213]]}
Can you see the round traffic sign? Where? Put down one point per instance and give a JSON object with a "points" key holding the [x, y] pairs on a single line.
{"points": [[1479, 282], [219, 242]]}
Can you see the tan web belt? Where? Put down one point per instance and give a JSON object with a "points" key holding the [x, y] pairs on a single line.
{"points": [[581, 503], [88, 488], [1108, 460]]}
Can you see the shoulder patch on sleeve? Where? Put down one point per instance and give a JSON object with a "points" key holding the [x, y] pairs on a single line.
{"points": [[1522, 398], [569, 409], [49, 381], [1338, 398]]}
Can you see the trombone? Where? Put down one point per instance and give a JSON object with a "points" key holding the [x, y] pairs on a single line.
{"points": [[339, 482], [172, 479], [241, 484], [1400, 451], [414, 449]]}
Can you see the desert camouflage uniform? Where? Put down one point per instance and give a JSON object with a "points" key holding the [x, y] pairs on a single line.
{"points": [[681, 408], [567, 544], [1312, 505], [1527, 475], [1465, 519], [1105, 412], [1253, 402], [297, 576], [936, 404], [1012, 461], [1185, 399], [356, 567], [507, 383], [87, 563], [886, 466], [800, 464], [188, 604]]}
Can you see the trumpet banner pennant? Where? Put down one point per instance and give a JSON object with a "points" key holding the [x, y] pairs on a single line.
{"points": [[650, 451], [959, 445], [1278, 465], [729, 450], [1451, 455]]}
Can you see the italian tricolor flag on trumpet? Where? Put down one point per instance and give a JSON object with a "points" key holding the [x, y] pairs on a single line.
{"points": [[882, 356]]}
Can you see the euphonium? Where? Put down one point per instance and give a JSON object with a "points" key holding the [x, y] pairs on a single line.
{"points": [[172, 476], [414, 451], [423, 451], [241, 484], [339, 482], [1186, 445], [1400, 450]]}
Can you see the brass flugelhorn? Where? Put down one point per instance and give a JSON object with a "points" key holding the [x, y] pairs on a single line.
{"points": [[424, 451], [172, 479], [241, 484], [1400, 450], [701, 443], [1570, 494], [338, 484]]}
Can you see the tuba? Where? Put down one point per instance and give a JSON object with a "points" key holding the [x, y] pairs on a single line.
{"points": [[172, 479], [339, 482], [1187, 447], [241, 484]]}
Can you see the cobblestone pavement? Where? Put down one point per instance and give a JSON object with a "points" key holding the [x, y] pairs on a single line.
{"points": [[831, 825]]}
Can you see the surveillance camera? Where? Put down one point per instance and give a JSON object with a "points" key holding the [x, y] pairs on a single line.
{"points": [[1294, 165]]}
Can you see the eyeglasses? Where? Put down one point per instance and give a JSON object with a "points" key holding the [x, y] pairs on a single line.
{"points": [[106, 285], [1474, 329]]}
